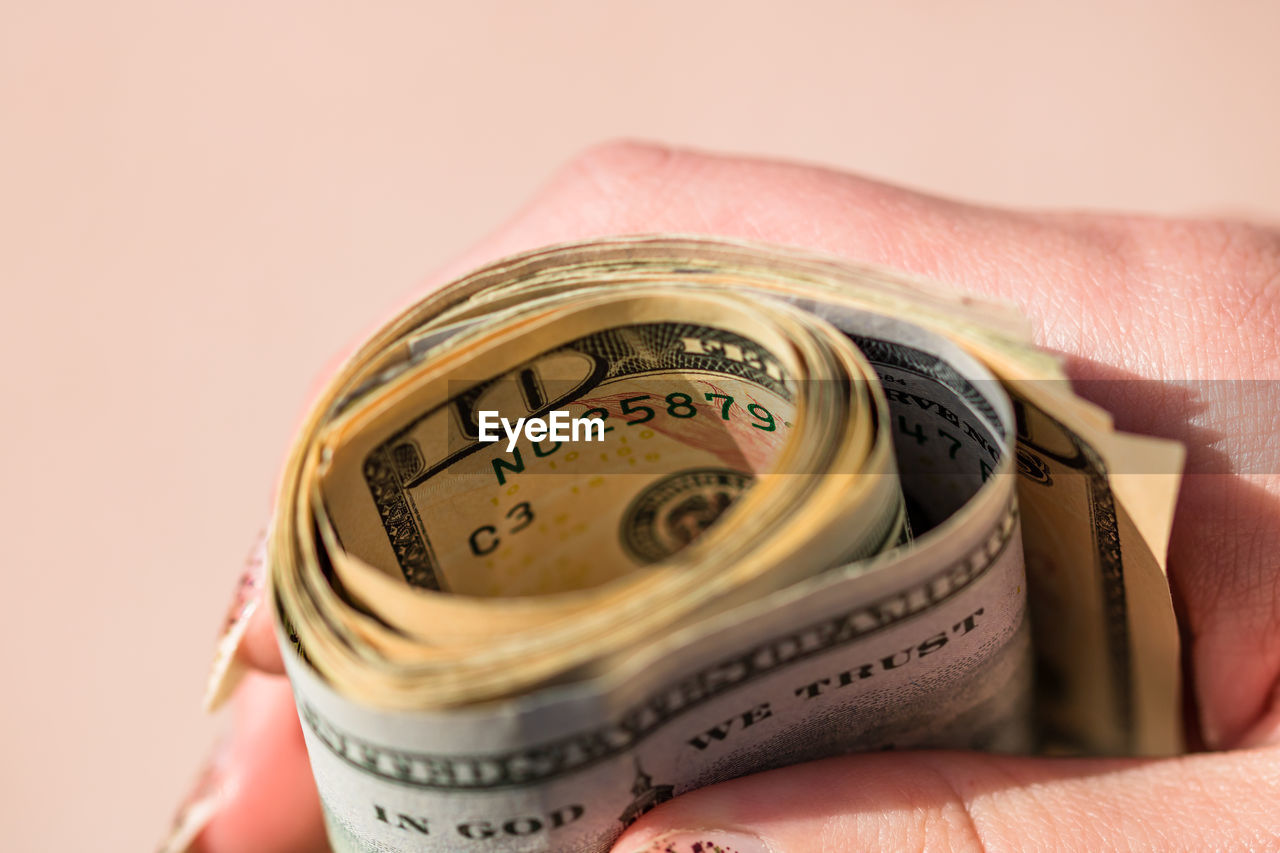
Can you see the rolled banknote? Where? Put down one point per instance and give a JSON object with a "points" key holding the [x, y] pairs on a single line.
{"points": [[607, 522]]}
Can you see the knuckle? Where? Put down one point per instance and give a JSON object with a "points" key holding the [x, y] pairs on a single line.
{"points": [[621, 161], [609, 188], [1220, 277], [1216, 247], [1240, 276], [1237, 253]]}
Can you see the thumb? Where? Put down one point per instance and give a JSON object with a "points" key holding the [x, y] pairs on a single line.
{"points": [[968, 801]]}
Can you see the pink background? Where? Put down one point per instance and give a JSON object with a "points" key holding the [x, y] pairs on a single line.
{"points": [[201, 202]]}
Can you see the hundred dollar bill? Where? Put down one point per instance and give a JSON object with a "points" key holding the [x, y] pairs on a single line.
{"points": [[747, 506]]}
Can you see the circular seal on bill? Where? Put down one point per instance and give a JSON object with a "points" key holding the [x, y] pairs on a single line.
{"points": [[674, 511]]}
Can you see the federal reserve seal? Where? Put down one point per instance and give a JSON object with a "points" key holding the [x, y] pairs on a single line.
{"points": [[674, 511]]}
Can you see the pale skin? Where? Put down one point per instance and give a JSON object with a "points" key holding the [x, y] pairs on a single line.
{"points": [[1177, 302]]}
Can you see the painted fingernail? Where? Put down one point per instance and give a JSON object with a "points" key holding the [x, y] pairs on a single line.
{"points": [[228, 669], [198, 809], [709, 841]]}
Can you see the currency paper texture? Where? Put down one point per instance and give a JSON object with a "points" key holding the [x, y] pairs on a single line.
{"points": [[826, 508]]}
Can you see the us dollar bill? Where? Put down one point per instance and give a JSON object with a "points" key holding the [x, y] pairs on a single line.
{"points": [[815, 508]]}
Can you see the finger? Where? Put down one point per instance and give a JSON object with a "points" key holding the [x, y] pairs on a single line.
{"points": [[247, 641], [257, 794], [967, 801], [1112, 293]]}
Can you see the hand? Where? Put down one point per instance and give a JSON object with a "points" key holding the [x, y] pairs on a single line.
{"points": [[1180, 303]]}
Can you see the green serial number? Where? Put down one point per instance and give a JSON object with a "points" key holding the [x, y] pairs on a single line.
{"points": [[681, 405]]}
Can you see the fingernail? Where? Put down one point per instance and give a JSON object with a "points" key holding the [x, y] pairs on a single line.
{"points": [[199, 807], [228, 669], [708, 841]]}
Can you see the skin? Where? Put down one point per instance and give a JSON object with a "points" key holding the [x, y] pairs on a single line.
{"points": [[1120, 297]]}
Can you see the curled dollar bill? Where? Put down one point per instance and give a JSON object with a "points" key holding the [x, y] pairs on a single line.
{"points": [[813, 507]]}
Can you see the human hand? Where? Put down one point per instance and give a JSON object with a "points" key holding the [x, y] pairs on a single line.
{"points": [[1186, 306]]}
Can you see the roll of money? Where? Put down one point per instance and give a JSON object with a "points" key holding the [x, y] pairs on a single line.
{"points": [[607, 522]]}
